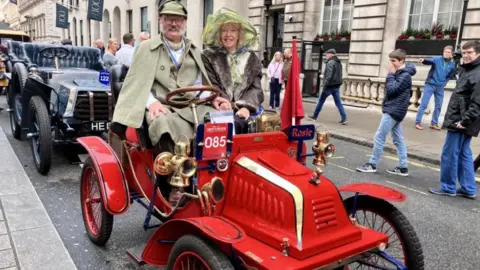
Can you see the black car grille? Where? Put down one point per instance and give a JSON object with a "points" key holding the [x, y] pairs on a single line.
{"points": [[94, 106]]}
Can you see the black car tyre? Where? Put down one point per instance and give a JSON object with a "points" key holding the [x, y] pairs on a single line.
{"points": [[369, 210], [14, 98], [98, 222], [190, 251], [40, 131], [15, 115]]}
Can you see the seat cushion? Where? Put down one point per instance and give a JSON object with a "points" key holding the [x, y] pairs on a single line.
{"points": [[15, 50], [117, 76]]}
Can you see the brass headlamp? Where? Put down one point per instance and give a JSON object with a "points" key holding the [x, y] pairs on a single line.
{"points": [[323, 150], [181, 165]]}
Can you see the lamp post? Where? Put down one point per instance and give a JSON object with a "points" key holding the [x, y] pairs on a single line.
{"points": [[458, 54], [267, 4]]}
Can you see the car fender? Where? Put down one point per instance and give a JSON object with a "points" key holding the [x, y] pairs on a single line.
{"points": [[218, 230], [113, 184], [375, 190]]}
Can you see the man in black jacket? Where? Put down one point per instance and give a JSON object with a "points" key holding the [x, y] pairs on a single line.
{"points": [[332, 81], [462, 121]]}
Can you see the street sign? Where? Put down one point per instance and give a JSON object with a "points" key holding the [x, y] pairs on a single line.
{"points": [[104, 77]]}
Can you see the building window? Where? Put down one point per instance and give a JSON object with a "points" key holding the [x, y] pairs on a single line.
{"points": [[207, 10], [337, 15], [425, 13], [144, 19], [129, 19], [81, 32]]}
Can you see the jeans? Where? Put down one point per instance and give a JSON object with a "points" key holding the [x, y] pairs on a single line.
{"points": [[275, 89], [388, 124], [335, 92], [457, 163], [430, 90]]}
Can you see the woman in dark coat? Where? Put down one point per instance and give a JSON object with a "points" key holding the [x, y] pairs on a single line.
{"points": [[232, 66]]}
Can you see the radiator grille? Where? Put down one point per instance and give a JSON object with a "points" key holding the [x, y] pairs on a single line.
{"points": [[94, 106], [324, 213]]}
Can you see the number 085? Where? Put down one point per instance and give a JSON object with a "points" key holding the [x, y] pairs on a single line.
{"points": [[215, 142]]}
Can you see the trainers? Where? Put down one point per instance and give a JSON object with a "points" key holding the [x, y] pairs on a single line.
{"points": [[311, 116], [435, 127], [439, 191], [367, 168], [343, 122], [418, 126], [399, 171], [462, 193]]}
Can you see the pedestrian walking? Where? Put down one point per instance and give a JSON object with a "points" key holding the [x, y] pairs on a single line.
{"points": [[462, 121], [332, 80], [125, 54], [274, 73], [442, 70], [287, 64], [109, 58], [398, 87]]}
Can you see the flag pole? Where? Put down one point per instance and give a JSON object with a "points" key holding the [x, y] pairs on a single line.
{"points": [[294, 99]]}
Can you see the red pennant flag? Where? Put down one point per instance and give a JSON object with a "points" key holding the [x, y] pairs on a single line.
{"points": [[292, 107]]}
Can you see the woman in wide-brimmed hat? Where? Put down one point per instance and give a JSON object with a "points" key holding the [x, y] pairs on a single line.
{"points": [[231, 65]]}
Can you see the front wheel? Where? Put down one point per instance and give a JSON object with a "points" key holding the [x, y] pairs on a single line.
{"points": [[403, 243], [98, 222], [40, 133], [191, 252]]}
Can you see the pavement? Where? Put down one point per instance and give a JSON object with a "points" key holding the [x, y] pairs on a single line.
{"points": [[28, 238], [363, 120]]}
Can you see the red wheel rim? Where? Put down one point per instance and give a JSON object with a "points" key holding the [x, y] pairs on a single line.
{"points": [[91, 200], [190, 260], [390, 231]]}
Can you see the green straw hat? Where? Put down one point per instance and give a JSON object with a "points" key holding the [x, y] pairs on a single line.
{"points": [[211, 32]]}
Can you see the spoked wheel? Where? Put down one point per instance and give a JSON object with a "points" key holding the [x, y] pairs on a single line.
{"points": [[191, 252], [16, 116], [403, 243], [40, 134], [98, 222]]}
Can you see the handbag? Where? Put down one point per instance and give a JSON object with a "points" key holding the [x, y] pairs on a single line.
{"points": [[273, 79]]}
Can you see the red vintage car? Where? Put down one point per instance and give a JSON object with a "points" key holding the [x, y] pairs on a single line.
{"points": [[243, 202]]}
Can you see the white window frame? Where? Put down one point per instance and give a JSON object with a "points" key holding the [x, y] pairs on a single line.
{"points": [[436, 7], [340, 14]]}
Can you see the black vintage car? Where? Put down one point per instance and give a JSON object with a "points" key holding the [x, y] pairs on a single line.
{"points": [[56, 95]]}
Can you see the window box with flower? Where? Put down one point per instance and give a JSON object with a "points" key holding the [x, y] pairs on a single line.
{"points": [[428, 41], [340, 41]]}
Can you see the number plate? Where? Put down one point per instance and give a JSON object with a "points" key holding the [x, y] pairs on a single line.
{"points": [[99, 126], [104, 77]]}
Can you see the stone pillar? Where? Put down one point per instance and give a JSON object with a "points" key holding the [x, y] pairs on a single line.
{"points": [[472, 22], [367, 37], [311, 23], [195, 21], [238, 6], [52, 32]]}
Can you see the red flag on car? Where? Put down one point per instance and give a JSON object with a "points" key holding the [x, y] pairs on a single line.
{"points": [[292, 107]]}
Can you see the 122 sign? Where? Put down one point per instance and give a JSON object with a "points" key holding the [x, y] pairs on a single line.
{"points": [[104, 77]]}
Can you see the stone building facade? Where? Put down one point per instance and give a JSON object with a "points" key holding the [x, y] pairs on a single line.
{"points": [[373, 28], [37, 19], [9, 14]]}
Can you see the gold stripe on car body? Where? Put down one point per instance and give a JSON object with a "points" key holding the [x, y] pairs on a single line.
{"points": [[277, 180]]}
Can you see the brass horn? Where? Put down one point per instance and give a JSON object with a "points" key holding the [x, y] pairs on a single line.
{"points": [[215, 189], [322, 149], [163, 164]]}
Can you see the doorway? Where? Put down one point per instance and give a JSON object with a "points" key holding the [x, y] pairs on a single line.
{"points": [[278, 20]]}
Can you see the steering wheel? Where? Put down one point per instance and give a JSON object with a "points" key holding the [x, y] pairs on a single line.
{"points": [[52, 52], [185, 100]]}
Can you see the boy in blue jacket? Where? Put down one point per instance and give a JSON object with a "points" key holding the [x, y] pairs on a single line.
{"points": [[442, 70], [398, 87]]}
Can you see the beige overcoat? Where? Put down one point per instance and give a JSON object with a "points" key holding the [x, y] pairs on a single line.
{"points": [[151, 72]]}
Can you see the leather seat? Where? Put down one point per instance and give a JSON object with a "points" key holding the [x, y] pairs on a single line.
{"points": [[117, 76], [15, 51], [79, 57]]}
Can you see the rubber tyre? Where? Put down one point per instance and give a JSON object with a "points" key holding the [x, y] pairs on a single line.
{"points": [[405, 231], [106, 225], [21, 74], [14, 122], [38, 109], [213, 257]]}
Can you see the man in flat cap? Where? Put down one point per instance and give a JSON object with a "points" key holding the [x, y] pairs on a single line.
{"points": [[332, 80]]}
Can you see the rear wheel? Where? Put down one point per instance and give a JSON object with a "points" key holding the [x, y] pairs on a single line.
{"points": [[403, 243], [191, 252], [98, 222], [16, 116]]}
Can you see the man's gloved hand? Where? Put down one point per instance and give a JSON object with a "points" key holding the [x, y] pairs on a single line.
{"points": [[243, 113], [222, 104], [156, 109]]}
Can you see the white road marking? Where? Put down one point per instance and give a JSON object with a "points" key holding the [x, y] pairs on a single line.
{"points": [[411, 189], [341, 167]]}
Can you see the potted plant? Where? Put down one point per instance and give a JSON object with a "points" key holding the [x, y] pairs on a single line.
{"points": [[338, 40], [426, 41]]}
